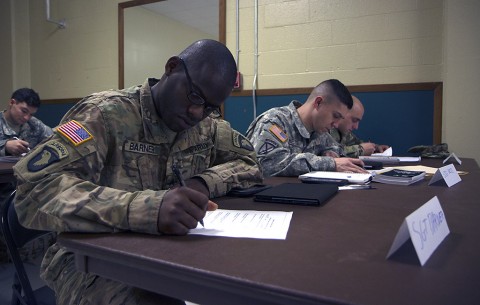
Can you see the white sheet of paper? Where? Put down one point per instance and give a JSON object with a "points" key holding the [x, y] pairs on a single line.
{"points": [[386, 153], [410, 159], [447, 173], [245, 223], [427, 227]]}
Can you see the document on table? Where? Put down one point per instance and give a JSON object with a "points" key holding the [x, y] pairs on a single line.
{"points": [[245, 223], [387, 153]]}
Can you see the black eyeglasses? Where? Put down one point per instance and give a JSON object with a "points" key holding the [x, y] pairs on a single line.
{"points": [[196, 98]]}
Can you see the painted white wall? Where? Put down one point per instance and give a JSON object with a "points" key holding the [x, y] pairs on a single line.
{"points": [[150, 40]]}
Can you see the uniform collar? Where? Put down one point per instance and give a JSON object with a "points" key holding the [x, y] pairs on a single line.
{"points": [[293, 106]]}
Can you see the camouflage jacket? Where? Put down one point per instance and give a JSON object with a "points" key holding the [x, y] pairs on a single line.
{"points": [[109, 169], [350, 143], [285, 147], [34, 131]]}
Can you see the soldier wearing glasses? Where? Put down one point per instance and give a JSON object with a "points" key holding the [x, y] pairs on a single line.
{"points": [[108, 167]]}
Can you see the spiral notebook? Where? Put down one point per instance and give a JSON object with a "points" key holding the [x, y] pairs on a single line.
{"points": [[298, 194]]}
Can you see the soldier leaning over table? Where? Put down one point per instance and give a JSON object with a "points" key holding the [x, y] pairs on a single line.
{"points": [[108, 167], [19, 132]]}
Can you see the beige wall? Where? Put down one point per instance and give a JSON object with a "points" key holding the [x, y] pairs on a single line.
{"points": [[150, 39], [461, 106], [6, 82], [77, 60], [301, 42]]}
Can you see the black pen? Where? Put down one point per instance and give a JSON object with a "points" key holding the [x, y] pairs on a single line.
{"points": [[177, 173]]}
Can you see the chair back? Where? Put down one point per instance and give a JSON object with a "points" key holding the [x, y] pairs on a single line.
{"points": [[16, 236]]}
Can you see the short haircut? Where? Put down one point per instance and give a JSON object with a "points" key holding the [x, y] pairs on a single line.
{"points": [[213, 54], [335, 88], [28, 96]]}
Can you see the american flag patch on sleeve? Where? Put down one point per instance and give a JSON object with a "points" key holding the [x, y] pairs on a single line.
{"points": [[74, 132], [279, 133]]}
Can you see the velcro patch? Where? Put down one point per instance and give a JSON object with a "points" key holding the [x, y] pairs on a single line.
{"points": [[241, 142], [278, 132], [74, 132], [51, 153], [267, 147]]}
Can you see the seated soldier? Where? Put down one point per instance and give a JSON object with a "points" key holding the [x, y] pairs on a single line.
{"points": [[353, 146], [291, 140]]}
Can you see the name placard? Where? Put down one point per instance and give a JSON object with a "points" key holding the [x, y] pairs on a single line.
{"points": [[426, 227], [452, 156], [447, 173]]}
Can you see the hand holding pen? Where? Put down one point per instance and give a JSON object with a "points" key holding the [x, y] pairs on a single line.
{"points": [[17, 147], [175, 169]]}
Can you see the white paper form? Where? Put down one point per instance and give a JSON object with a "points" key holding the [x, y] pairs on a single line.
{"points": [[245, 223], [387, 153]]}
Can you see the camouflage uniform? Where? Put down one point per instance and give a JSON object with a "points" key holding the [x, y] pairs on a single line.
{"points": [[115, 177], [34, 131], [350, 143], [285, 147]]}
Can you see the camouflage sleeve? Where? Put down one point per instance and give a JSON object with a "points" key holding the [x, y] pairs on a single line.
{"points": [[328, 144], [277, 156], [46, 131], [3, 142], [59, 187], [352, 139], [352, 146], [3, 138], [235, 163], [353, 151]]}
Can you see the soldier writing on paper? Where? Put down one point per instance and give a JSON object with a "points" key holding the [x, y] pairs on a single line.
{"points": [[292, 140], [352, 145]]}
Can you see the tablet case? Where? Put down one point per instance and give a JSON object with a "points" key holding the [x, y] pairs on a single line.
{"points": [[298, 194]]}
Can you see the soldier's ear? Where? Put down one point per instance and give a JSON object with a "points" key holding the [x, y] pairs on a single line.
{"points": [[171, 65], [318, 101]]}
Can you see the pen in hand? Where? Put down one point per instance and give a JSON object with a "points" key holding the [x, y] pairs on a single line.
{"points": [[16, 138], [177, 174]]}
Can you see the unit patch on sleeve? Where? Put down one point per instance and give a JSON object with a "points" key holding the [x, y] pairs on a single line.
{"points": [[278, 132], [241, 142], [267, 147], [51, 153], [74, 132]]}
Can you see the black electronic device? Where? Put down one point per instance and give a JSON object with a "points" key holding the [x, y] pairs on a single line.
{"points": [[298, 194]]}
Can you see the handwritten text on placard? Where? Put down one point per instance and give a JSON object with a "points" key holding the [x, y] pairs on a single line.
{"points": [[427, 227], [448, 173]]}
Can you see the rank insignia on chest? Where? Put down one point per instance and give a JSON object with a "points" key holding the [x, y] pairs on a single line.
{"points": [[74, 132], [51, 153], [279, 133]]}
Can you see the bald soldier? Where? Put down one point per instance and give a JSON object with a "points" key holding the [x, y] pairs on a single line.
{"points": [[108, 167], [352, 145], [291, 140]]}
